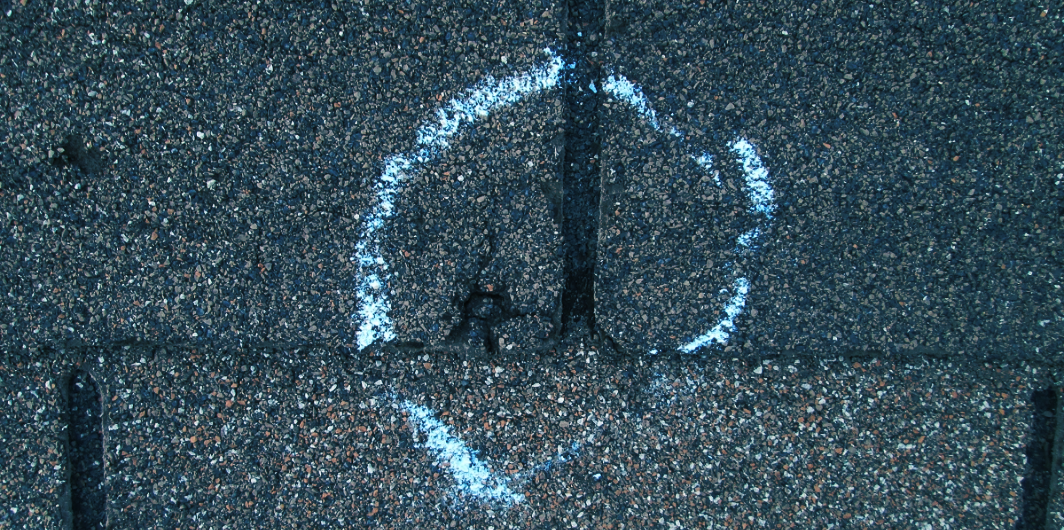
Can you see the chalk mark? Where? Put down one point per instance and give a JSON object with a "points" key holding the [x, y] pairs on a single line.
{"points": [[433, 138], [490, 95], [757, 188], [473, 476]]}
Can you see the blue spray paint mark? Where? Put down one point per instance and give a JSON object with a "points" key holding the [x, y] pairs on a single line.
{"points": [[757, 188], [490, 95], [433, 138]]}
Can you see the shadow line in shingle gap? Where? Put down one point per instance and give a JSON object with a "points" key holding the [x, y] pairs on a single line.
{"points": [[580, 180], [84, 415], [1037, 477]]}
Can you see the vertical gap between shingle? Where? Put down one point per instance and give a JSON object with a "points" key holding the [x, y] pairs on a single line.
{"points": [[88, 493], [1038, 473], [580, 181]]}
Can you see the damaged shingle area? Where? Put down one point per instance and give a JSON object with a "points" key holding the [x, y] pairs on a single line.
{"points": [[495, 305], [78, 152], [484, 313], [472, 252]]}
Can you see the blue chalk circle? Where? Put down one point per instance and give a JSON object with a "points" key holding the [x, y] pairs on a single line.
{"points": [[434, 137], [474, 479], [472, 476]]}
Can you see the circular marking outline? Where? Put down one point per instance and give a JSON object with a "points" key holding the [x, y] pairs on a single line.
{"points": [[433, 138], [758, 190], [487, 96]]}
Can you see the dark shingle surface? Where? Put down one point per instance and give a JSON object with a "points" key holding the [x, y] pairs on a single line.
{"points": [[291, 438], [204, 172], [185, 186], [915, 162], [32, 442]]}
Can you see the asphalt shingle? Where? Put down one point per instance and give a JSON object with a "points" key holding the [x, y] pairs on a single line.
{"points": [[913, 158], [212, 207], [291, 438]]}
